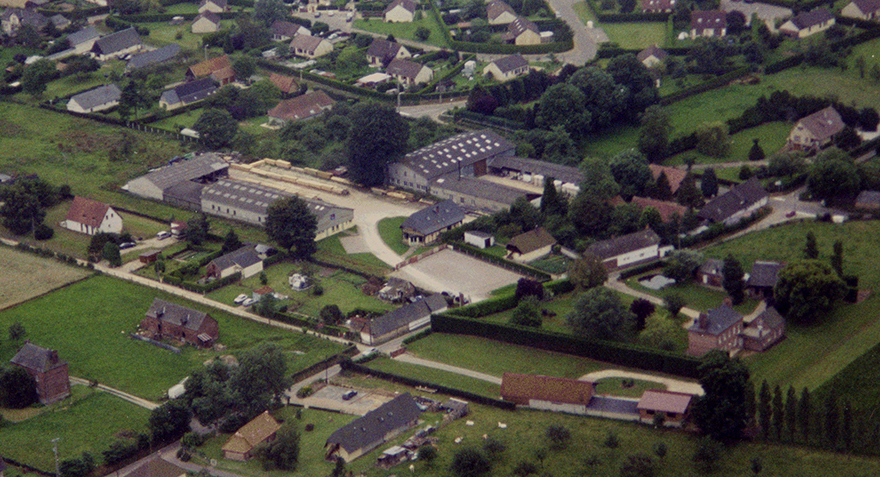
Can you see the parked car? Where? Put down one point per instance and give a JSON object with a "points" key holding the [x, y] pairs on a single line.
{"points": [[348, 395], [248, 302], [163, 235], [240, 299], [125, 245]]}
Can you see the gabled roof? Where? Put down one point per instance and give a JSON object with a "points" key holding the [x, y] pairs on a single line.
{"points": [[87, 211], [36, 358], [496, 8], [252, 433], [665, 401], [220, 3], [199, 166], [716, 320], [770, 318], [822, 124], [407, 314], [408, 5], [99, 96], [26, 16], [867, 6], [190, 92], [116, 42], [658, 4], [305, 106], [701, 20], [82, 36], [764, 274], [520, 26], [545, 388], [811, 18], [208, 67], [530, 241], [407, 69], [665, 208], [614, 247], [376, 424], [434, 218], [383, 49], [650, 51], [712, 266], [868, 197], [306, 43], [511, 63], [156, 56], [569, 174], [243, 257], [155, 466], [458, 151], [175, 314], [499, 193], [284, 83], [208, 15], [738, 198], [673, 175], [59, 21], [288, 29]]}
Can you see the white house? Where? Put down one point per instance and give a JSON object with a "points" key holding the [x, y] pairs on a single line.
{"points": [[244, 260], [206, 22], [500, 13], [215, 6], [311, 47], [93, 100], [91, 217], [862, 9], [409, 73], [630, 249], [507, 68], [808, 23], [400, 11], [708, 23]]}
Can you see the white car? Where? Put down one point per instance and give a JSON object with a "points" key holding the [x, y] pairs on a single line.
{"points": [[240, 299], [163, 235], [248, 302]]}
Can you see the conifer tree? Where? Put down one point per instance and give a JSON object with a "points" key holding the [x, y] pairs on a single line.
{"points": [[805, 415], [811, 251], [832, 422], [837, 258], [791, 409], [778, 413], [764, 410]]}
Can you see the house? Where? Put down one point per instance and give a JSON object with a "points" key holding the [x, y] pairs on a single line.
{"points": [[198, 170], [719, 328], [673, 406], [376, 427], [762, 278], [667, 209], [214, 6], [241, 445], [401, 321], [83, 40], [711, 273], [206, 22], [307, 106], [117, 44], [507, 68], [737, 203], [567, 179], [98, 99], [808, 23], [285, 31], [426, 225], [166, 320], [60, 22], [400, 11], [652, 56], [708, 23], [626, 250], [49, 371], [409, 73], [92, 217], [500, 13], [396, 290], [286, 84], [153, 466], [868, 200], [674, 176], [311, 47], [862, 9], [815, 131], [153, 57], [13, 18], [264, 290], [522, 32], [764, 330], [381, 52], [547, 392], [244, 260], [657, 6], [219, 69], [479, 239], [187, 93], [530, 245]]}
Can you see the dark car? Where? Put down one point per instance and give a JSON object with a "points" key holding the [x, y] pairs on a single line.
{"points": [[348, 395]]}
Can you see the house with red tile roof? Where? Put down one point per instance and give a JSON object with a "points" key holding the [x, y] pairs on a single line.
{"points": [[547, 392], [287, 84], [240, 446], [673, 175], [219, 69], [666, 209], [90, 217]]}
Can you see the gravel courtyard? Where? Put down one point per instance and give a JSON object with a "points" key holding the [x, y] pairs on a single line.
{"points": [[455, 272]]}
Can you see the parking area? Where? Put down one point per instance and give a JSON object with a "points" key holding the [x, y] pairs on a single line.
{"points": [[330, 397], [456, 273]]}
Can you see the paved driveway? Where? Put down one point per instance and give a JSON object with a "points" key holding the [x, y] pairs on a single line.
{"points": [[457, 273], [584, 44], [330, 397]]}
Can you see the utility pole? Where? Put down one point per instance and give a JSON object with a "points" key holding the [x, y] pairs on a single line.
{"points": [[55, 450]]}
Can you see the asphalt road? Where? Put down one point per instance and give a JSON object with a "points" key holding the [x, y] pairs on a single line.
{"points": [[585, 47]]}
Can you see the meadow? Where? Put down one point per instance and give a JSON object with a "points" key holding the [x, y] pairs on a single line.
{"points": [[26, 276]]}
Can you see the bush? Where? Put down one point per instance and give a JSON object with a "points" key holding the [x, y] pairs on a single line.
{"points": [[43, 232], [470, 463]]}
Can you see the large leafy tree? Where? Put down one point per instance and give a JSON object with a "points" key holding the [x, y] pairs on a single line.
{"points": [[267, 11], [216, 128], [631, 172], [587, 272], [655, 132], [806, 289], [37, 75], [260, 378], [379, 139], [168, 421], [18, 389], [599, 314], [21, 211], [470, 463], [722, 412], [833, 177], [283, 452], [564, 105], [291, 224]]}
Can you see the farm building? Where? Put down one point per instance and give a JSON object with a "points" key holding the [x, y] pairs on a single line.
{"points": [[401, 321], [530, 245], [477, 194], [200, 169], [166, 320], [427, 224], [83, 40], [479, 239], [548, 393], [241, 445], [396, 290], [90, 217], [117, 44], [762, 278], [719, 328], [14, 18], [374, 428], [626, 250], [736, 204], [244, 260], [400, 11], [94, 100], [673, 406], [47, 369], [187, 93], [566, 179], [710, 272]]}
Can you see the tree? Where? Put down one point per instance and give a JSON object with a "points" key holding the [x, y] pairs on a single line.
{"points": [[526, 288], [292, 225], [77, 466], [268, 11], [21, 212], [868, 119], [551, 202], [662, 189], [231, 242], [261, 378], [791, 410], [331, 315], [18, 389], [713, 139], [470, 463], [630, 171], [682, 264], [587, 272], [131, 99], [564, 105], [558, 436], [673, 302], [17, 332], [599, 314], [709, 183], [765, 412], [197, 229], [847, 139], [168, 421], [655, 132], [525, 468], [833, 177], [811, 250], [37, 75], [688, 193], [736, 22], [422, 33], [778, 421], [831, 422], [282, 453], [837, 258], [805, 416], [745, 173], [755, 465], [721, 411], [638, 465], [806, 289], [642, 309], [733, 274], [493, 449], [427, 454], [216, 128], [707, 454], [380, 139], [111, 254], [527, 313]]}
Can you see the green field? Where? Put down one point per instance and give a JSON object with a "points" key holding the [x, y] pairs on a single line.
{"points": [[161, 33], [405, 30], [89, 322], [331, 247], [771, 137], [636, 36], [392, 235], [695, 296], [436, 376]]}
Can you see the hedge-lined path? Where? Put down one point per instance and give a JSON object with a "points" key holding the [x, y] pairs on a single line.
{"points": [[149, 405], [675, 385], [408, 358]]}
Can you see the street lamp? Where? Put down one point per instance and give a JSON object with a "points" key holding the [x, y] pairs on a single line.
{"points": [[55, 450]]}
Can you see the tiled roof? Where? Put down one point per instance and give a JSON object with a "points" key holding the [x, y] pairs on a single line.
{"points": [[305, 106], [156, 56], [650, 51], [823, 124], [453, 153], [716, 320], [252, 433], [407, 314], [738, 198], [208, 67], [714, 19], [176, 314], [510, 63], [37, 358], [495, 8], [243, 257], [812, 18], [306, 43], [284, 83], [434, 218], [408, 5], [665, 401], [407, 69], [288, 29], [545, 388], [764, 274], [208, 15], [666, 209], [87, 211], [116, 42], [673, 175], [530, 241], [100, 96], [376, 424], [614, 247]]}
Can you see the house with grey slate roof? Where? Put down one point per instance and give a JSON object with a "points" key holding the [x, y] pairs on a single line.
{"points": [[808, 23], [720, 328], [47, 369], [401, 321], [117, 44], [862, 9], [626, 250], [762, 278], [284, 31], [13, 18], [166, 320], [739, 202], [376, 427], [60, 22], [187, 93], [507, 68], [868, 200], [83, 40], [409, 73], [764, 330], [244, 260], [154, 57], [93, 100], [477, 194], [427, 224], [381, 52]]}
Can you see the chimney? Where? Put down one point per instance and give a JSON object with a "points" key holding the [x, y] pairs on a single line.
{"points": [[53, 356], [703, 321]]}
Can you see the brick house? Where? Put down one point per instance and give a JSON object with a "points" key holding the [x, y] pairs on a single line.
{"points": [[719, 328], [241, 445], [764, 331], [710, 273], [50, 373], [170, 320]]}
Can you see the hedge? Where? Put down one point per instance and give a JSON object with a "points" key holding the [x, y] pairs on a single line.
{"points": [[558, 287], [717, 230], [487, 307], [421, 334], [333, 83], [713, 83], [621, 354], [198, 288], [472, 397], [449, 74], [77, 14], [491, 120], [631, 272], [626, 17], [322, 365], [488, 257]]}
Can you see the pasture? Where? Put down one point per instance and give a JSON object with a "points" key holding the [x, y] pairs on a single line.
{"points": [[26, 275]]}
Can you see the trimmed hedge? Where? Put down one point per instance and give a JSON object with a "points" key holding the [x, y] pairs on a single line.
{"points": [[322, 365], [487, 307], [558, 287], [622, 354], [421, 334], [490, 120], [488, 257], [717, 230], [713, 83], [631, 272], [477, 398]]}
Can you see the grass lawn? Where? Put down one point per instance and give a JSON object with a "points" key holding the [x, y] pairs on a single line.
{"points": [[695, 296], [636, 36], [437, 376], [162, 33], [392, 235], [554, 264], [87, 421], [88, 323], [26, 276], [771, 137], [331, 249], [179, 121], [405, 30]]}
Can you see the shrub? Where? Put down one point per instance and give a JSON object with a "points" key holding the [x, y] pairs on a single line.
{"points": [[43, 232]]}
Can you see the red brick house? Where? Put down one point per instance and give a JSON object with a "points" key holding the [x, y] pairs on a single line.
{"points": [[673, 406], [241, 445], [50, 373], [547, 392], [170, 320], [719, 328], [764, 331]]}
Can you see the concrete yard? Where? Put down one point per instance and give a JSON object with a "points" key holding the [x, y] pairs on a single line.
{"points": [[455, 272], [330, 397]]}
